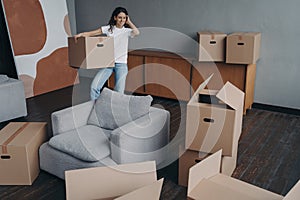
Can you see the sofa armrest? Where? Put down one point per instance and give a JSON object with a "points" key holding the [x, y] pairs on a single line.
{"points": [[71, 118], [142, 139]]}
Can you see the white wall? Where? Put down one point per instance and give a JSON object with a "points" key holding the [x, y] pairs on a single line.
{"points": [[278, 70]]}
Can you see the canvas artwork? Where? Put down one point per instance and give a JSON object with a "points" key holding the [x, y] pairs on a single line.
{"points": [[38, 31]]}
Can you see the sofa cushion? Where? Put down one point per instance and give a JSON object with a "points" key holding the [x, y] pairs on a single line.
{"points": [[88, 143], [113, 109], [3, 78]]}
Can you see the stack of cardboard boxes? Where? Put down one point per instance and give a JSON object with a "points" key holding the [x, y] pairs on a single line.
{"points": [[235, 48], [212, 126], [214, 118]]}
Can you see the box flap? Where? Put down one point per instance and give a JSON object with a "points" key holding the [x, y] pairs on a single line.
{"points": [[247, 189], [101, 182], [149, 192], [232, 96], [294, 193], [208, 189], [207, 168], [194, 98]]}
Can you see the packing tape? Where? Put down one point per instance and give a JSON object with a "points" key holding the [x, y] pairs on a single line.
{"points": [[4, 145]]}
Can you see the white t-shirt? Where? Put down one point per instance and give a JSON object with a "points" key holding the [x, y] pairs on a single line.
{"points": [[121, 36]]}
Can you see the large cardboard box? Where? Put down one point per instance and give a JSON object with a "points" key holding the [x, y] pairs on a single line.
{"points": [[121, 181], [206, 182], [211, 127], [20, 141], [211, 46], [243, 47], [189, 158], [91, 52]]}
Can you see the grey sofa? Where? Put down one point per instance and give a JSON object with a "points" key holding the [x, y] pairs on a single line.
{"points": [[12, 98], [138, 140]]}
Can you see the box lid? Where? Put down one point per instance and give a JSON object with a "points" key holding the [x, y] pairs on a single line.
{"points": [[231, 95], [101, 182], [245, 33], [19, 133], [211, 33], [149, 192]]}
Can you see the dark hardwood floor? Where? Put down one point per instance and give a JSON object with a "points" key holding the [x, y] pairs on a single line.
{"points": [[268, 153]]}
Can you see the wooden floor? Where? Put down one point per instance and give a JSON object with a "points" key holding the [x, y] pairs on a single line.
{"points": [[268, 153]]}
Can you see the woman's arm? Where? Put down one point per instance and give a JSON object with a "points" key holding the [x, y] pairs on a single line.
{"points": [[89, 33], [135, 30]]}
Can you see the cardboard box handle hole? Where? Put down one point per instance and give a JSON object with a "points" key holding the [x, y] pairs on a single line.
{"points": [[241, 43], [5, 157], [208, 120], [213, 42], [100, 45]]}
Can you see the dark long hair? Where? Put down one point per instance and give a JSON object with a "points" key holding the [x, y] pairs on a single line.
{"points": [[115, 13]]}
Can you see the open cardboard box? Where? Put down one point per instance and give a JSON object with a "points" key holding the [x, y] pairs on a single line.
{"points": [[211, 127], [126, 181], [189, 158], [91, 52], [206, 182]]}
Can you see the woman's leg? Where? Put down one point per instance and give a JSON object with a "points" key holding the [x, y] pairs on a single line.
{"points": [[121, 71], [101, 77]]}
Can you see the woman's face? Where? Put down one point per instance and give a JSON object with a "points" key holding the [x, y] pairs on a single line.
{"points": [[120, 19]]}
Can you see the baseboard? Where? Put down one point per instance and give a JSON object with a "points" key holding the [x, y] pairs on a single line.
{"points": [[286, 110]]}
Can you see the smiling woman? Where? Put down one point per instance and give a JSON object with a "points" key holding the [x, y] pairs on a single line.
{"points": [[116, 28]]}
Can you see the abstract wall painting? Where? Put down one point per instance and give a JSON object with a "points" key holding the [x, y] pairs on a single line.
{"points": [[38, 31]]}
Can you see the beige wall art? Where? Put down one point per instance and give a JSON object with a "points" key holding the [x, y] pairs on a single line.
{"points": [[38, 31]]}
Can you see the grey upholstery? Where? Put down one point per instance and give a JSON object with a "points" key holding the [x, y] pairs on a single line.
{"points": [[12, 99], [136, 141]]}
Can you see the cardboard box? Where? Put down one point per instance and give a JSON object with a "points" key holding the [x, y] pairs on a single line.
{"points": [[149, 192], [206, 182], [189, 158], [243, 47], [91, 52], [113, 181], [20, 141], [211, 127], [211, 46]]}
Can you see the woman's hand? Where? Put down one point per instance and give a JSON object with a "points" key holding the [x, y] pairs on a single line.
{"points": [[78, 36], [135, 31], [128, 20]]}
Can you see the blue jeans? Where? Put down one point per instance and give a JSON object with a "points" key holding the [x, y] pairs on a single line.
{"points": [[121, 71]]}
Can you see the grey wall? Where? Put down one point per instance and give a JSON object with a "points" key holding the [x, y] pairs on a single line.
{"points": [[278, 70], [72, 15]]}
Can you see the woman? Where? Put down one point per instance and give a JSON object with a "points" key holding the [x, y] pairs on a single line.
{"points": [[115, 28]]}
